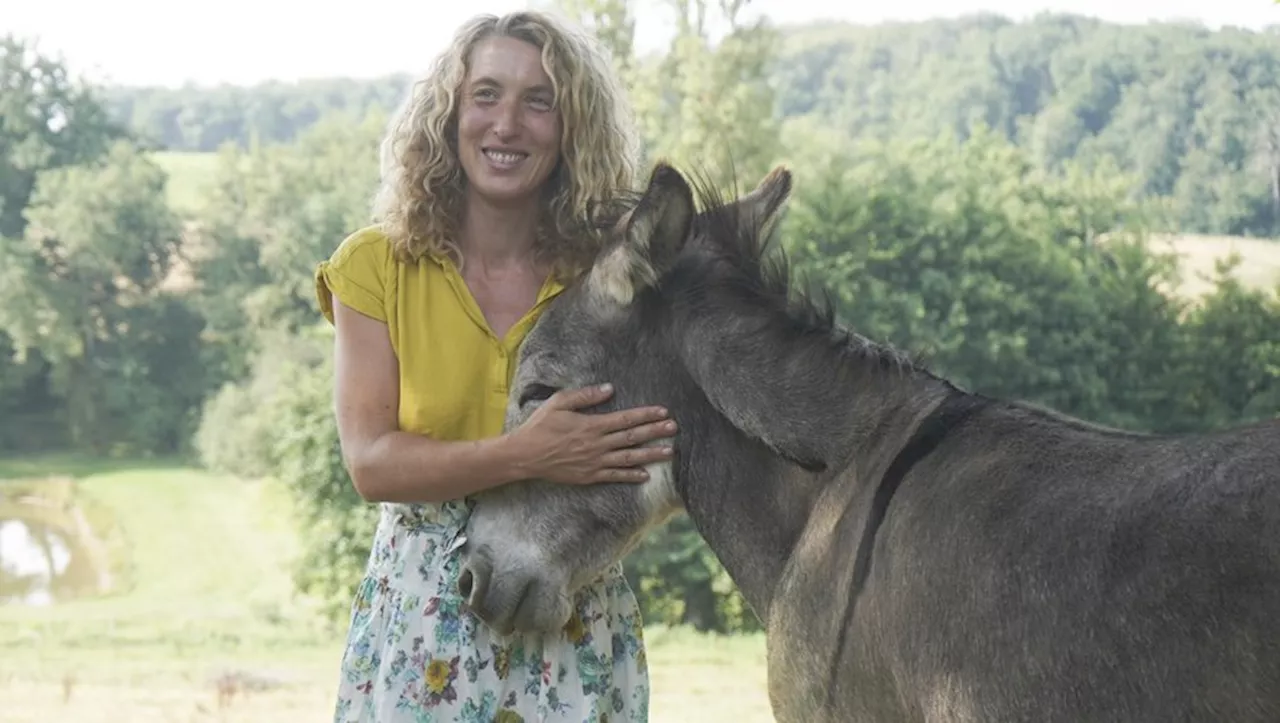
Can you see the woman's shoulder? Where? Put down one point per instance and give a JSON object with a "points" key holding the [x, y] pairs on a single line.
{"points": [[370, 242], [359, 271]]}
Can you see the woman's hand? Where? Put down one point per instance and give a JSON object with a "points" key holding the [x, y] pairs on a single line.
{"points": [[561, 444]]}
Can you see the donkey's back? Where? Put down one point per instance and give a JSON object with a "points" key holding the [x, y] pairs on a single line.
{"points": [[1034, 568]]}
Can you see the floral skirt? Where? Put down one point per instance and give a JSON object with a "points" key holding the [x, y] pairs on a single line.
{"points": [[413, 655]]}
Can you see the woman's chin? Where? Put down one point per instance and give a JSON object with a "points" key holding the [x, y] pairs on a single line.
{"points": [[504, 190]]}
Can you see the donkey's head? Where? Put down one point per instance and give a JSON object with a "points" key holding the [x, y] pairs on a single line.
{"points": [[532, 544]]}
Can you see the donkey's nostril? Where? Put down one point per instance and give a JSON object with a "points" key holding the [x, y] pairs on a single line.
{"points": [[473, 586]]}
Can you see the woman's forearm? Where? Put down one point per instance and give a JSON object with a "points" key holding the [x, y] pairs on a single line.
{"points": [[405, 467]]}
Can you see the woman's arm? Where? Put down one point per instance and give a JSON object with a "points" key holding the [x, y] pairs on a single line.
{"points": [[557, 443]]}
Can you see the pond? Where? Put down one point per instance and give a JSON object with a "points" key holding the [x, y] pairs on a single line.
{"points": [[48, 551]]}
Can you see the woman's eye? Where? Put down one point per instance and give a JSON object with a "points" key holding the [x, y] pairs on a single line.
{"points": [[536, 393]]}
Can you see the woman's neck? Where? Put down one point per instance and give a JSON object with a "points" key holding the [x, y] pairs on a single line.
{"points": [[495, 235]]}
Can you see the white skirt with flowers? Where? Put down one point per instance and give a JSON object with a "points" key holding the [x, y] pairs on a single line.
{"points": [[413, 655]]}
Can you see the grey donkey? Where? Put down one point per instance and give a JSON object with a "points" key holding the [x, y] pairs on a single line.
{"points": [[915, 551]]}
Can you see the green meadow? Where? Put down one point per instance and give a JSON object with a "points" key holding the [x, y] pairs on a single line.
{"points": [[200, 623]]}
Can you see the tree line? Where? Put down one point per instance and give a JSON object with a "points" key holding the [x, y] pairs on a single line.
{"points": [[1193, 113], [975, 191]]}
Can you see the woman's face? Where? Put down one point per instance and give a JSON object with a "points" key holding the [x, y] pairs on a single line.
{"points": [[508, 126]]}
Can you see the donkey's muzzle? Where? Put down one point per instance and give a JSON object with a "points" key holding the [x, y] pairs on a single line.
{"points": [[516, 600]]}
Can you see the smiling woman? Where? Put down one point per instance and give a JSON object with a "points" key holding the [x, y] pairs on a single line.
{"points": [[490, 174], [508, 131]]}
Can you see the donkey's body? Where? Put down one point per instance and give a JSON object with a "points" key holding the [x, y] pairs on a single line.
{"points": [[916, 552], [1033, 569]]}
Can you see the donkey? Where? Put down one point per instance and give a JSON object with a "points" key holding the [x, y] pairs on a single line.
{"points": [[916, 552]]}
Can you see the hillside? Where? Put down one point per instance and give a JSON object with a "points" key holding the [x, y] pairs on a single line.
{"points": [[1259, 260], [1192, 113], [191, 176]]}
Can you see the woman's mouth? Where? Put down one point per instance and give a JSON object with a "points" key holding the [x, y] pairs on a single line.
{"points": [[504, 159]]}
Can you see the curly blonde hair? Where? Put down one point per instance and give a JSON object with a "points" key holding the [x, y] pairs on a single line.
{"points": [[419, 199]]}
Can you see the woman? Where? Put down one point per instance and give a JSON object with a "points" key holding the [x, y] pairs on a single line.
{"points": [[490, 170]]}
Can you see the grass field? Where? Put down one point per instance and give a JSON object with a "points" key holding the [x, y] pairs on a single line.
{"points": [[208, 630], [191, 175], [1259, 267]]}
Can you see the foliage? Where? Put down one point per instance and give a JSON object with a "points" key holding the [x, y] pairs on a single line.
{"points": [[47, 121], [85, 287], [1019, 283], [679, 581], [274, 212], [1233, 370], [968, 255], [279, 424], [240, 425], [338, 524]]}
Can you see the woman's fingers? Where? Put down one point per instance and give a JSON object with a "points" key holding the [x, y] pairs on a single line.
{"points": [[613, 474], [626, 418], [636, 457], [633, 436], [580, 397]]}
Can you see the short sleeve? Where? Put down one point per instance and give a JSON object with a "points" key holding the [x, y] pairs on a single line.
{"points": [[357, 274]]}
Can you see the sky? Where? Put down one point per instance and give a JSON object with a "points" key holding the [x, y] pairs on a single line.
{"points": [[151, 42]]}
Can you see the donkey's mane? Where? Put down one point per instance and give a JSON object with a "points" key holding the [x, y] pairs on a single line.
{"points": [[729, 254]]}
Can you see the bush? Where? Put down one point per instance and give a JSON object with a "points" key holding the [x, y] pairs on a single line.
{"points": [[279, 424], [337, 525]]}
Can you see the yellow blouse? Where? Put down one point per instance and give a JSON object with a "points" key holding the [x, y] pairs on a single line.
{"points": [[454, 371]]}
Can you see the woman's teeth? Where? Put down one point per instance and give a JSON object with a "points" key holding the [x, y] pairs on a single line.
{"points": [[506, 159]]}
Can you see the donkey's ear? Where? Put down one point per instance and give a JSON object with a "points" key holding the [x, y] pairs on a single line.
{"points": [[660, 223], [652, 237], [760, 208]]}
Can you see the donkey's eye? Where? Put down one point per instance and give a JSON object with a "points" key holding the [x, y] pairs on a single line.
{"points": [[536, 393]]}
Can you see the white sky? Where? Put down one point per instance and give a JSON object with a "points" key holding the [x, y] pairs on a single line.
{"points": [[245, 41]]}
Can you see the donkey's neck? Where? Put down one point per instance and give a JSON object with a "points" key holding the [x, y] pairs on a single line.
{"points": [[795, 409], [736, 492], [815, 396]]}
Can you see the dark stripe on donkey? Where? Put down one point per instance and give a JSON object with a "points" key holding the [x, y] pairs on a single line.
{"points": [[948, 416]]}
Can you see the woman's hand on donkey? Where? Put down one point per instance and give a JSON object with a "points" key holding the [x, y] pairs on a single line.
{"points": [[562, 444]]}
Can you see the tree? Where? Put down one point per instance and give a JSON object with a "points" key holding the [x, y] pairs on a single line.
{"points": [[710, 105], [274, 213], [1233, 369], [83, 285], [46, 121], [612, 24]]}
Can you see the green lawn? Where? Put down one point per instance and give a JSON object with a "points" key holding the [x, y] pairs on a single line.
{"points": [[208, 630], [191, 175], [1199, 254]]}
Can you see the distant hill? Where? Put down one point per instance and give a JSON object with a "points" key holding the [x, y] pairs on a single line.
{"points": [[1192, 113]]}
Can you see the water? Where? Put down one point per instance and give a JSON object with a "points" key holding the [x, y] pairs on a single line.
{"points": [[48, 552], [34, 559]]}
